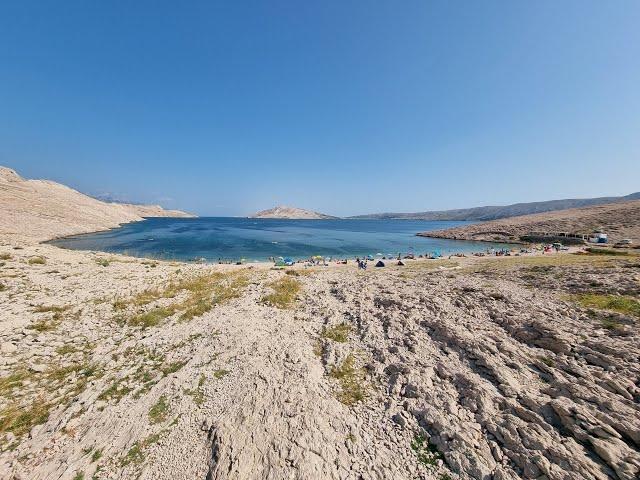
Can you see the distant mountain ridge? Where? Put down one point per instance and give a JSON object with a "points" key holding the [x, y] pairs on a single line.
{"points": [[496, 212], [291, 213]]}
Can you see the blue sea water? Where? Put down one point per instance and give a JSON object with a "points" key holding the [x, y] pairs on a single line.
{"points": [[215, 238]]}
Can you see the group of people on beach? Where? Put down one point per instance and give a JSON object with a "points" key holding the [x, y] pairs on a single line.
{"points": [[362, 262]]}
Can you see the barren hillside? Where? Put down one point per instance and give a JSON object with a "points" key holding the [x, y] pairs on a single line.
{"points": [[619, 220], [494, 212], [38, 210]]}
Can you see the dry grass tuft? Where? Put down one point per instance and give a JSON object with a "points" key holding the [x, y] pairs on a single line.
{"points": [[616, 303], [160, 411], [14, 380], [19, 420], [507, 263], [285, 292], [606, 251], [338, 333], [218, 374], [299, 273], [104, 262], [202, 293], [51, 308], [151, 318], [37, 261], [116, 391], [351, 379]]}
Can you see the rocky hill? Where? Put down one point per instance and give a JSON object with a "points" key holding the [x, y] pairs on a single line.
{"points": [[504, 211], [292, 213], [619, 220], [41, 209]]}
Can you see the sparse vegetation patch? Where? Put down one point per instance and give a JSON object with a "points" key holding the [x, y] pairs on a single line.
{"points": [[150, 318], [116, 391], [104, 262], [338, 333], [197, 394], [159, 411], [298, 273], [136, 455], [351, 380], [616, 303], [427, 453], [97, 454], [19, 420], [284, 292], [606, 251], [51, 308], [202, 294]]}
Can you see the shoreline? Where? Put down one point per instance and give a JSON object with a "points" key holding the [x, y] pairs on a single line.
{"points": [[483, 240], [303, 264], [333, 257]]}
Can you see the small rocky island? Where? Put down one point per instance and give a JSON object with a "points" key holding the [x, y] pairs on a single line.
{"points": [[292, 213]]}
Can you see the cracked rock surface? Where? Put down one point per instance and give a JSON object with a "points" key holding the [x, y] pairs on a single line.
{"points": [[120, 368]]}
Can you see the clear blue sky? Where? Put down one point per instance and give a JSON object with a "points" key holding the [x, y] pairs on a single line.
{"points": [[345, 107]]}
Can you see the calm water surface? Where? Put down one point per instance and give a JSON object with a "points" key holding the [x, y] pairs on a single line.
{"points": [[258, 239]]}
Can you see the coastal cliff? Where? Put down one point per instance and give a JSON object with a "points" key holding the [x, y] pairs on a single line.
{"points": [[38, 210]]}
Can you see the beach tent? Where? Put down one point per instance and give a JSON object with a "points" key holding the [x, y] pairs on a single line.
{"points": [[288, 261], [380, 263], [280, 262], [370, 257]]}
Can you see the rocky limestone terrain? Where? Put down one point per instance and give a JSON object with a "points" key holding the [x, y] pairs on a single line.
{"points": [[493, 368], [291, 213], [36, 210], [619, 220], [481, 368]]}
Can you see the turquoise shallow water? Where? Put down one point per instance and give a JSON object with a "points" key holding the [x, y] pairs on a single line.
{"points": [[213, 238]]}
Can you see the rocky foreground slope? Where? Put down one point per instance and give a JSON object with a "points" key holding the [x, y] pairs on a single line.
{"points": [[36, 210], [619, 220], [114, 367], [121, 368]]}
